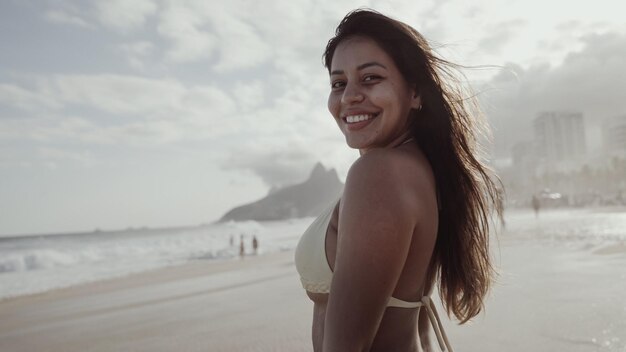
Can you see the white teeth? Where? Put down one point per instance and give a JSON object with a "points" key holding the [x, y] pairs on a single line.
{"points": [[358, 118]]}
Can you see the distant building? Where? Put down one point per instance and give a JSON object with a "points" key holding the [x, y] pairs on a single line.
{"points": [[523, 153], [614, 135], [559, 139], [518, 179]]}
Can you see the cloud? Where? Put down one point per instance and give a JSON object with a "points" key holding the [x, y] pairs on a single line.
{"points": [[568, 26], [499, 35], [137, 53], [276, 166], [124, 15], [249, 94], [63, 17], [591, 81], [240, 44], [118, 15], [137, 96], [133, 109], [121, 109], [188, 32], [56, 155], [21, 98], [203, 100], [117, 94], [54, 129], [231, 39], [281, 145], [81, 132]]}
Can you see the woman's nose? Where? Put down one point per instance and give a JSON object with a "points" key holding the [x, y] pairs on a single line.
{"points": [[352, 94]]}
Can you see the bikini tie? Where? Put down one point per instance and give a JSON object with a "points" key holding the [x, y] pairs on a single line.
{"points": [[442, 338]]}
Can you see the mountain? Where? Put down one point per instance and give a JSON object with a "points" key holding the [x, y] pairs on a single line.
{"points": [[308, 198]]}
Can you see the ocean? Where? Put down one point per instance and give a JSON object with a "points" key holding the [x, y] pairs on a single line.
{"points": [[34, 264]]}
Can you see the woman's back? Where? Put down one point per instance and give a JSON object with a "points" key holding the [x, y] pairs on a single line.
{"points": [[397, 329]]}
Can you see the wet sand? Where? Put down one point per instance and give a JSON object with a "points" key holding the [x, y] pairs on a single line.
{"points": [[254, 304], [547, 298]]}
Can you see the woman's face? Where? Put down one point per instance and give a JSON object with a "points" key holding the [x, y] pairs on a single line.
{"points": [[369, 99]]}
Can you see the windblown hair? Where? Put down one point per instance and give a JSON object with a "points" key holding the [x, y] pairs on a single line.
{"points": [[447, 129]]}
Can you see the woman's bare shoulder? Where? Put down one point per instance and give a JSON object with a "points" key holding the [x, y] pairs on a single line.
{"points": [[390, 170]]}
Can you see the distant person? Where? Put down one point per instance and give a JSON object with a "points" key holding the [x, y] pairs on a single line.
{"points": [[415, 209], [536, 204], [242, 247], [232, 240], [255, 244]]}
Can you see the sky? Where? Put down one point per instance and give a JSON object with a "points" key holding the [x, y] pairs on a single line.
{"points": [[117, 114]]}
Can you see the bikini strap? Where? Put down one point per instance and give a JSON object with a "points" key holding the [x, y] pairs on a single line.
{"points": [[442, 338]]}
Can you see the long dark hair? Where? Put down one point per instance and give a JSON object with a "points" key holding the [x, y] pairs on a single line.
{"points": [[447, 129]]}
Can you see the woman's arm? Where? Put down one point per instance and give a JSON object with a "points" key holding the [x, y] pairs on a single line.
{"points": [[377, 218]]}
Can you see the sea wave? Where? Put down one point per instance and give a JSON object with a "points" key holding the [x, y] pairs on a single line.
{"points": [[37, 259], [41, 263]]}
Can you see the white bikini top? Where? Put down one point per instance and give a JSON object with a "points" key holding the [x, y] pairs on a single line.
{"points": [[315, 273]]}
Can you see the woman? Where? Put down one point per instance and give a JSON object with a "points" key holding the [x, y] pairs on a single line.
{"points": [[415, 208]]}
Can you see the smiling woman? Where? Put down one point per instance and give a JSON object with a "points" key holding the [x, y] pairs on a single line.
{"points": [[389, 97], [416, 204]]}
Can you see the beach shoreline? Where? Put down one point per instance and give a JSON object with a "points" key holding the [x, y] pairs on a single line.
{"points": [[92, 316], [550, 295]]}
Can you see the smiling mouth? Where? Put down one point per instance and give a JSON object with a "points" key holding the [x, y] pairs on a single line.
{"points": [[352, 119]]}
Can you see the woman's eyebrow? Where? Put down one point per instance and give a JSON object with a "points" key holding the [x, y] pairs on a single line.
{"points": [[360, 67]]}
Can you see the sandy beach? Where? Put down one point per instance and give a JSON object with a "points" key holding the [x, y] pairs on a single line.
{"points": [[253, 304], [548, 297]]}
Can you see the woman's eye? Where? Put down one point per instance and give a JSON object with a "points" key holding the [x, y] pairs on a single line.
{"points": [[370, 78], [337, 84]]}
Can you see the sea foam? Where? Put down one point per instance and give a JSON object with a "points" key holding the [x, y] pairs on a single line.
{"points": [[36, 264]]}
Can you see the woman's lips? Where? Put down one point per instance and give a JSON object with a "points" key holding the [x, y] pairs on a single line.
{"points": [[357, 125]]}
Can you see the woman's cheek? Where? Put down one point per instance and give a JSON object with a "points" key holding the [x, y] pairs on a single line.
{"points": [[333, 105]]}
